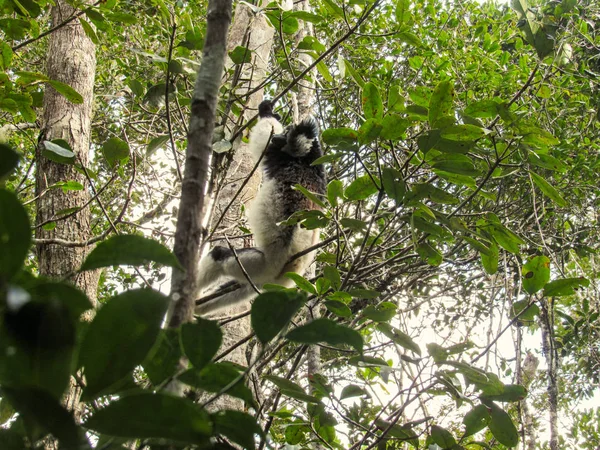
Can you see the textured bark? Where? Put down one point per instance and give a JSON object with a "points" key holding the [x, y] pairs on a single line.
{"points": [[549, 349], [192, 207], [71, 60]]}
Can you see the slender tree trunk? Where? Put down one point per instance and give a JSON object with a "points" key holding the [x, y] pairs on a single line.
{"points": [[71, 60], [547, 320]]}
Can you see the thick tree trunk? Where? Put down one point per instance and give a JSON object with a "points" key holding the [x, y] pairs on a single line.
{"points": [[71, 60]]}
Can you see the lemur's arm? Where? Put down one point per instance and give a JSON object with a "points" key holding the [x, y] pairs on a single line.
{"points": [[268, 126]]}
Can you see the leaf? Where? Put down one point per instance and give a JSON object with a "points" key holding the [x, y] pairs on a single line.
{"points": [[338, 308], [361, 188], [464, 132], [89, 30], [58, 151], [548, 190], [502, 427], [402, 12], [393, 127], [302, 283], [291, 389], [241, 55], [15, 29], [476, 420], [442, 437], [335, 190], [136, 416], [7, 56], [364, 293], [482, 109], [537, 137], [565, 286], [46, 412], [309, 195], [489, 260], [325, 330], [455, 163], [531, 311], [201, 341], [15, 234], [129, 249], [340, 137], [163, 360], [333, 275], [156, 143], [511, 393], [120, 336], [393, 184], [409, 38], [238, 427], [429, 253], [67, 91], [290, 25], [399, 337], [371, 102], [114, 150], [369, 131], [306, 16], [216, 378], [383, 312], [440, 103], [536, 273], [272, 311], [353, 390]]}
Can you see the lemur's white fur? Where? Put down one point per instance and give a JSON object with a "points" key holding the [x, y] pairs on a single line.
{"points": [[267, 262]]}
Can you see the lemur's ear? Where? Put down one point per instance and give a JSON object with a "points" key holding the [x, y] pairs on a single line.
{"points": [[308, 127], [265, 109]]}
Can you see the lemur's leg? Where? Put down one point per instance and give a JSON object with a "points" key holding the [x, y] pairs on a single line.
{"points": [[242, 294], [265, 129], [221, 263]]}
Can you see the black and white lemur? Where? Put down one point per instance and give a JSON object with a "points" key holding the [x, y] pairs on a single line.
{"points": [[287, 161]]}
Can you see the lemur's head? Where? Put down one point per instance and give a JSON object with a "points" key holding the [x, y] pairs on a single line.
{"points": [[301, 137]]}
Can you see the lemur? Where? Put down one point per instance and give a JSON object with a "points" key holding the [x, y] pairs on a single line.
{"points": [[287, 160]]}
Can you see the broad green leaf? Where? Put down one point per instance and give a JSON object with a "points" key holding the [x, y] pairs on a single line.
{"points": [[6, 54], [354, 74], [536, 273], [67, 91], [291, 389], [429, 253], [489, 260], [241, 55], [15, 234], [201, 341], [464, 133], [353, 224], [399, 337], [402, 12], [302, 283], [156, 143], [309, 195], [409, 38], [482, 109], [89, 30], [371, 102], [363, 293], [272, 311], [333, 275], [532, 310], [548, 190], [455, 163], [216, 378], [335, 190], [338, 308], [136, 416], [504, 237], [120, 336], [383, 312], [369, 131], [238, 427], [393, 184], [129, 249], [15, 29], [511, 393], [163, 360], [361, 188], [30, 77], [442, 437], [393, 127], [437, 195], [340, 137], [114, 150], [565, 286], [58, 151], [306, 16], [440, 103], [353, 390], [537, 137], [502, 426], [476, 420], [325, 330], [546, 162]]}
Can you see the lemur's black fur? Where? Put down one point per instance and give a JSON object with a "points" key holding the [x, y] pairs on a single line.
{"points": [[287, 160]]}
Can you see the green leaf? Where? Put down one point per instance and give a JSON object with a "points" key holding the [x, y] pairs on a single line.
{"points": [[136, 416], [238, 427], [532, 310], [399, 337], [241, 55], [291, 389], [89, 30], [7, 55], [482, 109], [442, 437], [335, 190], [353, 224], [120, 336], [201, 341], [363, 293], [455, 163], [306, 16], [464, 133], [429, 253], [440, 104], [129, 249], [384, 312], [163, 360], [15, 29], [340, 137], [114, 150], [325, 330], [536, 273], [409, 38], [502, 427], [290, 25], [369, 131], [156, 143], [67, 91], [565, 286], [353, 390], [361, 188], [393, 184], [39, 407], [476, 420], [511, 393], [301, 282], [58, 151], [272, 311], [371, 102], [338, 308], [216, 377], [15, 234], [402, 12], [548, 190], [537, 137], [490, 260], [333, 275], [309, 195]]}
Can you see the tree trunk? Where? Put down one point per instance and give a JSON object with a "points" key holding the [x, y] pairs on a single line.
{"points": [[548, 347], [71, 60]]}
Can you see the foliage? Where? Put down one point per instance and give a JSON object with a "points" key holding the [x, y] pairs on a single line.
{"points": [[462, 152]]}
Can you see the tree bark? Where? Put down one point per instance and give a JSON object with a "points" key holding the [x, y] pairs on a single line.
{"points": [[71, 60], [549, 349]]}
